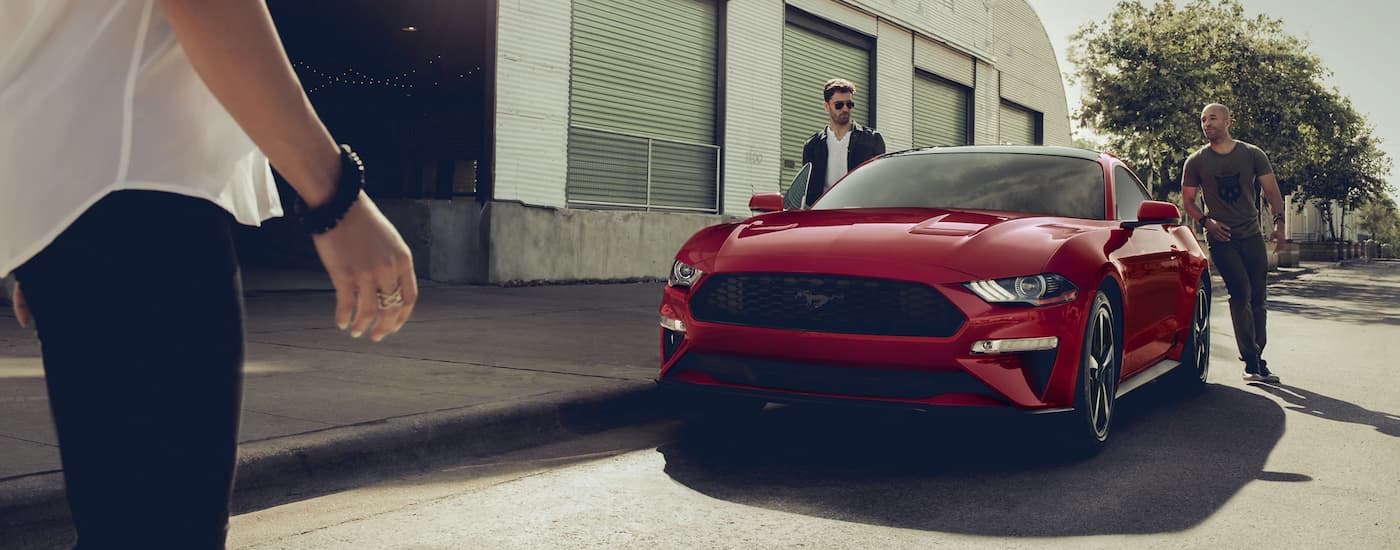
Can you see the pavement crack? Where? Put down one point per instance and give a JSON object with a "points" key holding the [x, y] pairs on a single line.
{"points": [[41, 443], [446, 361], [461, 318]]}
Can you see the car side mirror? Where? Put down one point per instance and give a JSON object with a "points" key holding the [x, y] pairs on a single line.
{"points": [[796, 196], [766, 202], [1155, 213]]}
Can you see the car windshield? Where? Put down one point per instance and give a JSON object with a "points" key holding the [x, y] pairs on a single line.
{"points": [[1013, 182]]}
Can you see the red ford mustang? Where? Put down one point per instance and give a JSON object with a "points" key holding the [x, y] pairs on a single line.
{"points": [[1034, 279]]}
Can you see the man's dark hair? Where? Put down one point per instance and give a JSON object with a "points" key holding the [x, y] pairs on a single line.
{"points": [[836, 85]]}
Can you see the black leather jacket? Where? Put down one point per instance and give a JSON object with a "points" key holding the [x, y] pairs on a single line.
{"points": [[865, 144]]}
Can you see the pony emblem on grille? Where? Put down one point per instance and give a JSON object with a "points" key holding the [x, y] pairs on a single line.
{"points": [[814, 300]]}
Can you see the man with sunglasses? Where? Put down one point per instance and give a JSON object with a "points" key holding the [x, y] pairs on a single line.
{"points": [[842, 145]]}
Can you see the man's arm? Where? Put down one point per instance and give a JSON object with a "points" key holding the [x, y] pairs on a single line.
{"points": [[1269, 184], [1190, 188], [1188, 202]]}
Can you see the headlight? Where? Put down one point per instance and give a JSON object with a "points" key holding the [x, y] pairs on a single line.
{"points": [[683, 274], [1036, 290]]}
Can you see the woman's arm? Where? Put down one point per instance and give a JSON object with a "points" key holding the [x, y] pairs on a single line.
{"points": [[234, 48]]}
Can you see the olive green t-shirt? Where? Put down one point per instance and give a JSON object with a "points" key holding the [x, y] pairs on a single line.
{"points": [[1229, 186]]}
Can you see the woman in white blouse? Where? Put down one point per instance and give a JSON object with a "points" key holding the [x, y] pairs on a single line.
{"points": [[133, 134]]}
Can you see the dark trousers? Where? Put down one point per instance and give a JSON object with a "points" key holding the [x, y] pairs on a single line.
{"points": [[1244, 265], [139, 311]]}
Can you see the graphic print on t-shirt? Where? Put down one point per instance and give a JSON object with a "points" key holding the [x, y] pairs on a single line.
{"points": [[1228, 187]]}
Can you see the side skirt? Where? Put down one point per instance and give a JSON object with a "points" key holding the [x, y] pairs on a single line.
{"points": [[1152, 373]]}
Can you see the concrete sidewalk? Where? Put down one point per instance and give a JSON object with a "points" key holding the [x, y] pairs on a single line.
{"points": [[478, 370]]}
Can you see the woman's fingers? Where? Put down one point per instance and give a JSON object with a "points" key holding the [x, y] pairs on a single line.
{"points": [[344, 302], [389, 298], [372, 270], [366, 305]]}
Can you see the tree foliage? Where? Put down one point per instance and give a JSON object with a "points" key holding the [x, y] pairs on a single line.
{"points": [[1148, 71], [1380, 220]]}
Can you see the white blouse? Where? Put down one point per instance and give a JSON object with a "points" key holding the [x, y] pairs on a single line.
{"points": [[97, 96]]}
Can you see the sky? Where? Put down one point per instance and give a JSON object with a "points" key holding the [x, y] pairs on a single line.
{"points": [[1357, 40]]}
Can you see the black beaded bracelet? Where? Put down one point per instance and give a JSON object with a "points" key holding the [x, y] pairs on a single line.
{"points": [[347, 190]]}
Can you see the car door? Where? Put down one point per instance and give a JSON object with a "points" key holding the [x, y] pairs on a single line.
{"points": [[1148, 260]]}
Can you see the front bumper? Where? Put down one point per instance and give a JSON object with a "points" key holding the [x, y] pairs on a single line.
{"points": [[905, 371]]}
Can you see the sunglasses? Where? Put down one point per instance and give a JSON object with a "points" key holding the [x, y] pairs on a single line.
{"points": [[843, 104]]}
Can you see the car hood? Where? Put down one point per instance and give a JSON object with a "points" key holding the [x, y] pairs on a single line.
{"points": [[932, 245]]}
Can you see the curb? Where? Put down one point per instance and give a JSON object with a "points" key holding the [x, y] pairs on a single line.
{"points": [[314, 463]]}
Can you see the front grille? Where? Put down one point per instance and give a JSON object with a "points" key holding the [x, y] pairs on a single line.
{"points": [[830, 379], [825, 303]]}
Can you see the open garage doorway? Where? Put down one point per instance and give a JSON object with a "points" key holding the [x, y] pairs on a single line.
{"points": [[408, 85]]}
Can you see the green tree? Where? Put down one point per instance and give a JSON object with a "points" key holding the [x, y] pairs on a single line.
{"points": [[1149, 71], [1380, 219], [1344, 164]]}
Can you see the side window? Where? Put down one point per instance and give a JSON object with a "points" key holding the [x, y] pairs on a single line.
{"points": [[1127, 192]]}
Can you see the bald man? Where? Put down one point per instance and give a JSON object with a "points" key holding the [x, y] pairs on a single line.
{"points": [[1225, 171]]}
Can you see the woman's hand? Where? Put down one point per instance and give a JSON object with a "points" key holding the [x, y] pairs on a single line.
{"points": [[369, 265]]}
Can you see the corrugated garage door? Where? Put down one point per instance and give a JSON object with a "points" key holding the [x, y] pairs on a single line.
{"points": [[809, 60], [642, 105], [940, 112], [1018, 125]]}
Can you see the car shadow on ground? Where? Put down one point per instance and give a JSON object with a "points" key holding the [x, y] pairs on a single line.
{"points": [[1173, 462], [1321, 406]]}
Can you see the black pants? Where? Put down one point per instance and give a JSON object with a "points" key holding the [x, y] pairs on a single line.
{"points": [[1244, 265], [139, 311]]}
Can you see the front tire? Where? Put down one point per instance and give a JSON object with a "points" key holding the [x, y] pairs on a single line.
{"points": [[1195, 355], [1096, 389]]}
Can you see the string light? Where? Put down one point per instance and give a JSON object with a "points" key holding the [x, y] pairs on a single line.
{"points": [[353, 77]]}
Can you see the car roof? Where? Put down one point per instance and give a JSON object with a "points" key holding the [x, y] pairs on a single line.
{"points": [[1051, 150]]}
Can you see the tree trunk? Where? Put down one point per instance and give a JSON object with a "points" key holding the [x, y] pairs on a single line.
{"points": [[1164, 178]]}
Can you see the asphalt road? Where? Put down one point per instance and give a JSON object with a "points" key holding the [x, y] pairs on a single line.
{"points": [[1312, 462]]}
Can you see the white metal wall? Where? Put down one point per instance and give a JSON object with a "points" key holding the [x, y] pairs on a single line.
{"points": [[753, 102], [1030, 71], [839, 13], [894, 82], [943, 61], [532, 101], [965, 24], [986, 113]]}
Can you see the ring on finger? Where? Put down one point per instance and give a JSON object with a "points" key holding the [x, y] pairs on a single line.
{"points": [[390, 300]]}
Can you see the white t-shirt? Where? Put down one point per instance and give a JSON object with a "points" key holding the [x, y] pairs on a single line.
{"points": [[97, 96], [835, 156]]}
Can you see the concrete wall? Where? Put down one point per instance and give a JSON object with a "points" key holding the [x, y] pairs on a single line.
{"points": [[448, 238], [531, 243]]}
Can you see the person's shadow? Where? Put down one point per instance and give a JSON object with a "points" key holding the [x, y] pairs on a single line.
{"points": [[1321, 406], [1171, 464]]}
